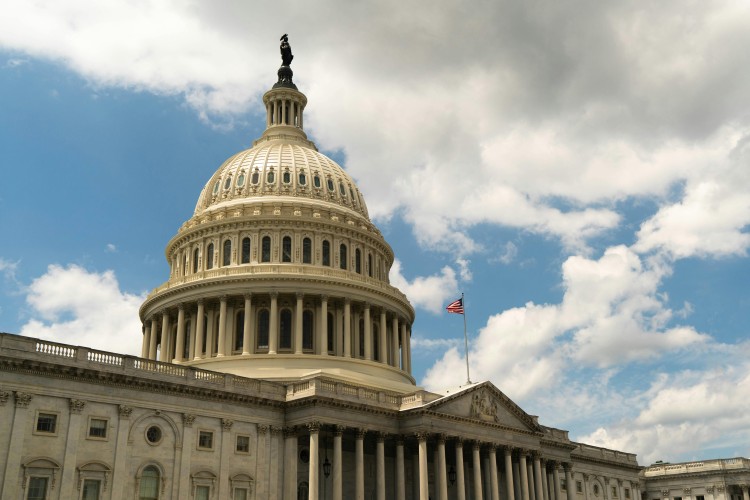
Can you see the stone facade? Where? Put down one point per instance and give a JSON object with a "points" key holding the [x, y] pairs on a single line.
{"points": [[722, 479]]}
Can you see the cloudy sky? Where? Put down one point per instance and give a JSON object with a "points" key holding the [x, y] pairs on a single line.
{"points": [[580, 170]]}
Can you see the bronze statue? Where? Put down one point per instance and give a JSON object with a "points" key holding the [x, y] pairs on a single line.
{"points": [[286, 51]]}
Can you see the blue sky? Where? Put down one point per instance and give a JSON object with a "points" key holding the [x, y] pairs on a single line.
{"points": [[582, 174]]}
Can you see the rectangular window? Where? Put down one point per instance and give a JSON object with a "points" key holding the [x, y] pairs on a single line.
{"points": [[243, 444], [563, 484], [90, 489], [37, 488], [206, 440], [614, 491], [627, 492], [579, 486], [98, 428], [201, 492], [699, 497], [239, 494], [677, 498], [46, 422]]}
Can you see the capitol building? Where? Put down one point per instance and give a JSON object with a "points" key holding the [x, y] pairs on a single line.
{"points": [[276, 364]]}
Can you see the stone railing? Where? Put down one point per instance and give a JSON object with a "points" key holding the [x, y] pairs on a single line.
{"points": [[280, 269], [83, 357], [694, 467], [597, 453], [355, 393]]}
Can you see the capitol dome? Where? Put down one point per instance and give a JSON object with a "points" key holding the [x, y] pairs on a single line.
{"points": [[284, 267]]}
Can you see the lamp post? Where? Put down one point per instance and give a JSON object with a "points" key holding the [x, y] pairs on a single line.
{"points": [[452, 475]]}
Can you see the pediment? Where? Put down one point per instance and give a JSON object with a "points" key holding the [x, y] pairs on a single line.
{"points": [[485, 403]]}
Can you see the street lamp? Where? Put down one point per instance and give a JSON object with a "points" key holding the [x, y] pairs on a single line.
{"points": [[452, 475]]}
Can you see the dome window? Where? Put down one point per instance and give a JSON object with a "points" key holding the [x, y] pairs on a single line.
{"points": [[326, 253], [302, 179], [286, 249], [351, 193], [286, 177], [227, 255], [265, 250], [210, 256], [241, 180], [270, 177], [196, 256], [255, 178], [263, 328], [307, 251], [330, 185], [342, 190], [342, 256], [216, 187], [358, 261], [316, 181], [307, 330], [285, 329], [246, 250], [227, 183]]}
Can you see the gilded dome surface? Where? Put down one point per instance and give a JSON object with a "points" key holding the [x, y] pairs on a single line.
{"points": [[283, 169]]}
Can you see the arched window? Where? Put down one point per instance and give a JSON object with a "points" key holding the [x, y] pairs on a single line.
{"points": [[216, 335], [361, 338], [265, 249], [331, 338], [263, 324], [149, 487], [326, 253], [186, 349], [375, 342], [358, 261], [205, 331], [185, 266], [227, 258], [196, 256], [306, 251], [210, 256], [246, 250], [307, 330], [285, 329], [303, 491], [342, 256], [239, 337], [286, 249], [369, 265]]}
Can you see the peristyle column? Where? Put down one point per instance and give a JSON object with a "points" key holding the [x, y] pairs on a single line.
{"points": [[273, 324], [313, 473], [199, 333], [222, 327], [180, 347], [359, 459], [424, 491], [368, 333], [477, 462], [298, 323], [380, 466], [337, 463], [460, 479], [248, 339]]}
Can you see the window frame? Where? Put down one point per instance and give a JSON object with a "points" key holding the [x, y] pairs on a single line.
{"points": [[237, 444], [56, 423], [106, 428], [226, 253], [201, 433], [265, 257]]}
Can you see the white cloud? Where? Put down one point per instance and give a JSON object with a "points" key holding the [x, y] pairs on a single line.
{"points": [[508, 253], [111, 247], [75, 306], [426, 292], [611, 314]]}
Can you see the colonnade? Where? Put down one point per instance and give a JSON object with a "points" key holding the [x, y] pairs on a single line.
{"points": [[477, 470], [273, 323]]}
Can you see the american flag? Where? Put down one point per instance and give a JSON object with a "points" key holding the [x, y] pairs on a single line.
{"points": [[456, 307]]}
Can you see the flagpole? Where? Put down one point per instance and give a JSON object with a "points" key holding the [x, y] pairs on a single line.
{"points": [[466, 341]]}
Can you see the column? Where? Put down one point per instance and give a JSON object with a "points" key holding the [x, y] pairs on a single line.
{"points": [[18, 432], [530, 475], [145, 341], [191, 337], [222, 326], [152, 340], [356, 333], [400, 473], [67, 481], [380, 466], [407, 343], [477, 462], [164, 354], [273, 324], [347, 328], [551, 480], [524, 474], [442, 467], [570, 484], [368, 333], [538, 476], [415, 473], [180, 347], [119, 474], [290, 463], [324, 325], [298, 323], [314, 473], [545, 483], [424, 491], [359, 459], [493, 473], [248, 337], [383, 347], [556, 483], [507, 451], [183, 483], [337, 464], [394, 342], [199, 333], [460, 480]]}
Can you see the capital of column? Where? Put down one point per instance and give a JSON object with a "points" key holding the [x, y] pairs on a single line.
{"points": [[274, 294], [421, 436], [223, 298], [536, 454], [300, 295], [125, 411], [22, 399], [276, 430], [227, 423], [181, 306], [551, 465], [347, 301], [290, 432], [380, 437], [338, 430], [76, 405], [200, 301], [313, 427], [399, 440], [366, 306], [262, 429], [520, 452], [247, 296], [459, 442], [440, 438], [477, 445], [324, 298], [360, 433]]}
